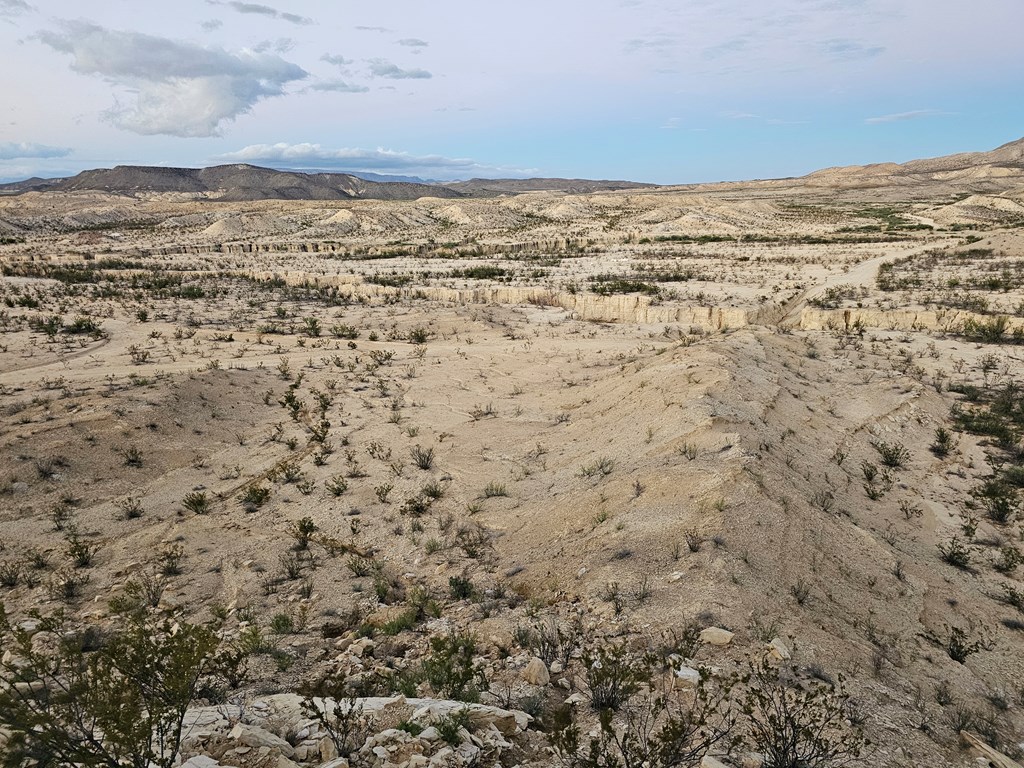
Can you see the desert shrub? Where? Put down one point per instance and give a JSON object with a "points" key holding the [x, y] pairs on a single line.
{"points": [[614, 675], [10, 574], [419, 335], [955, 553], [139, 593], [549, 640], [893, 455], [197, 502], [959, 646], [989, 331], [944, 442], [342, 331], [303, 531], [599, 468], [312, 326], [131, 507], [131, 455], [474, 540], [661, 729], [797, 724], [999, 500], [81, 552], [336, 485], [422, 457], [170, 558], [1009, 558], [254, 497], [122, 704], [433, 490], [451, 670], [460, 587]]}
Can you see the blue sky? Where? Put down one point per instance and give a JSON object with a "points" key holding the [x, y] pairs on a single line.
{"points": [[669, 92]]}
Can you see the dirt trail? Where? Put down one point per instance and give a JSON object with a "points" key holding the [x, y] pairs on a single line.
{"points": [[861, 276]]}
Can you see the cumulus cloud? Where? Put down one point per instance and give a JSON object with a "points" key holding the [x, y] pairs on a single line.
{"points": [[899, 117], [12, 150], [315, 156], [385, 68], [338, 86], [180, 89], [263, 10]]}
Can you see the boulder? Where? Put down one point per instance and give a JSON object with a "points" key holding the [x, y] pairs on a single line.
{"points": [[778, 651], [716, 636], [252, 736], [536, 672], [687, 677]]}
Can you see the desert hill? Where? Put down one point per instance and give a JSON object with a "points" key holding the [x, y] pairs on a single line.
{"points": [[998, 170]]}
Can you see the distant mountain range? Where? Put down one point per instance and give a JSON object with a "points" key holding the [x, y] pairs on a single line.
{"points": [[994, 171], [237, 183]]}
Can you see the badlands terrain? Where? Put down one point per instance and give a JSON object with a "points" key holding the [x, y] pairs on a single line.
{"points": [[744, 445]]}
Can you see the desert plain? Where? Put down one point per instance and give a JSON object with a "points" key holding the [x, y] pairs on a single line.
{"points": [[737, 426]]}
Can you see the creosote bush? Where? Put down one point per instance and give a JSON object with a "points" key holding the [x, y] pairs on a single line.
{"points": [[451, 669], [122, 704], [798, 724], [649, 724]]}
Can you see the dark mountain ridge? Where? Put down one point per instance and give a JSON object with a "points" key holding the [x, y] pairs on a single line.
{"points": [[242, 182]]}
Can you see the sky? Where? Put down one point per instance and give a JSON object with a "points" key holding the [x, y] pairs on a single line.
{"points": [[647, 90]]}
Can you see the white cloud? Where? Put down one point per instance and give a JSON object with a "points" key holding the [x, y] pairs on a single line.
{"points": [[385, 68], [338, 86], [413, 42], [899, 117], [314, 156], [180, 89], [14, 150], [263, 10], [14, 7], [281, 45], [337, 59]]}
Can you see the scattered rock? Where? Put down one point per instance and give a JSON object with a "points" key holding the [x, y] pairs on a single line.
{"points": [[252, 736], [536, 672], [716, 636], [778, 651], [687, 677]]}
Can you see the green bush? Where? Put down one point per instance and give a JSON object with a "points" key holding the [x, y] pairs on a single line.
{"points": [[662, 729], [120, 705], [451, 670]]}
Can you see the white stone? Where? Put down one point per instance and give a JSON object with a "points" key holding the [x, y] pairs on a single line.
{"points": [[778, 650], [716, 636], [536, 672], [687, 676]]}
